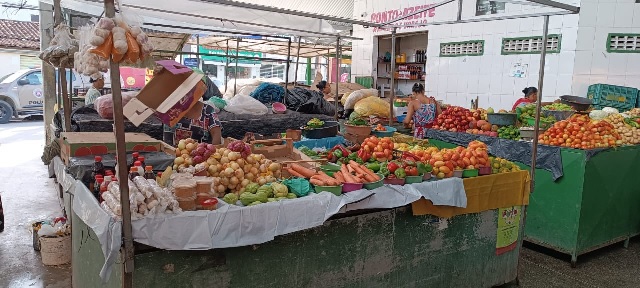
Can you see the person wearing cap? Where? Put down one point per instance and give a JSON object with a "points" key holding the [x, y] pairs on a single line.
{"points": [[97, 83]]}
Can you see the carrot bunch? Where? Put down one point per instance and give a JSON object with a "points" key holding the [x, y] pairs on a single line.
{"points": [[316, 178], [355, 173]]}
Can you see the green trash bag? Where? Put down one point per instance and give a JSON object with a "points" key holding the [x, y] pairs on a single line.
{"points": [[299, 186], [218, 102]]}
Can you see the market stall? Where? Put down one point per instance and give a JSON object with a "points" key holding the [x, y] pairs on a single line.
{"points": [[578, 205], [477, 221]]}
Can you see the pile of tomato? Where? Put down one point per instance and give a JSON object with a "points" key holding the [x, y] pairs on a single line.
{"points": [[455, 119], [380, 149], [580, 132]]}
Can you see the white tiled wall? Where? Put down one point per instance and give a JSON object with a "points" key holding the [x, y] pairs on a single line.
{"points": [[583, 59], [593, 64]]}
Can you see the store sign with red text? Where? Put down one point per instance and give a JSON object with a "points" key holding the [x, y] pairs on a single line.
{"points": [[417, 19]]}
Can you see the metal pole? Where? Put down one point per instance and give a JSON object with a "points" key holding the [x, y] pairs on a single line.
{"points": [[459, 10], [543, 56], [393, 74], [295, 77], [198, 47], [235, 81], [335, 97], [118, 123], [226, 69], [534, 147], [62, 74], [286, 76]]}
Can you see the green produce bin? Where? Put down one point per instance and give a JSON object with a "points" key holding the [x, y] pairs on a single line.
{"points": [[389, 248], [595, 203]]}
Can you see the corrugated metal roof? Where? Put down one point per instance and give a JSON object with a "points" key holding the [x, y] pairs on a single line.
{"points": [[337, 8]]}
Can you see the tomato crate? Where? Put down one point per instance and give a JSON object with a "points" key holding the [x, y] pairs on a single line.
{"points": [[619, 97]]}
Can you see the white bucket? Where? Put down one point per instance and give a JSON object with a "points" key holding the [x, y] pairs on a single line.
{"points": [[55, 250]]}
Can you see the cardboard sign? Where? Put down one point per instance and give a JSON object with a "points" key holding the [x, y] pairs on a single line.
{"points": [[175, 113], [166, 89]]}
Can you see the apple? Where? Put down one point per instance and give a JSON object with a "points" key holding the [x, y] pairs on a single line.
{"points": [[191, 146]]}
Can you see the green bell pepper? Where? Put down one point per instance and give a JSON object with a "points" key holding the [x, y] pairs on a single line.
{"points": [[384, 170], [353, 156], [375, 167], [337, 153], [400, 173]]}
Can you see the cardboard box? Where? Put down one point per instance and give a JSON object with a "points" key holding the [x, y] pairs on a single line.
{"points": [[77, 144], [169, 94]]}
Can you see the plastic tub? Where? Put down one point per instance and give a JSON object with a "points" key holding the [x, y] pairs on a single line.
{"points": [[350, 187], [388, 133], [502, 119], [559, 115], [336, 190], [578, 103], [374, 185], [330, 129], [413, 179], [400, 118], [394, 181], [184, 188], [468, 173], [203, 185], [457, 173], [209, 204], [484, 170], [187, 204], [278, 108], [362, 130]]}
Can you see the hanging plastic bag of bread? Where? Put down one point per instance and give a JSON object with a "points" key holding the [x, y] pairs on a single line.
{"points": [[358, 95], [133, 53], [372, 106], [105, 49]]}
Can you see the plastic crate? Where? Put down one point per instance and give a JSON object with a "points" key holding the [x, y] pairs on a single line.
{"points": [[619, 97]]}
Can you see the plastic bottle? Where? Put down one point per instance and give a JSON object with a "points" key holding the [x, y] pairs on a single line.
{"points": [[96, 189], [96, 169], [141, 159], [139, 169], [104, 186], [148, 173], [133, 172], [134, 158]]}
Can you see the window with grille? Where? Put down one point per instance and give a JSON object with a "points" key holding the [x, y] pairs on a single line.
{"points": [[467, 48], [530, 45], [623, 43]]}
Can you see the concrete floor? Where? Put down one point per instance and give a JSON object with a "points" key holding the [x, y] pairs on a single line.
{"points": [[29, 195]]}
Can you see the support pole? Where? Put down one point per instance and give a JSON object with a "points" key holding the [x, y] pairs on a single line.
{"points": [[393, 74], [235, 81], [226, 69], [543, 56], [308, 72], [48, 72], [459, 10], [118, 123], [288, 65], [295, 77], [198, 45], [62, 73], [335, 97]]}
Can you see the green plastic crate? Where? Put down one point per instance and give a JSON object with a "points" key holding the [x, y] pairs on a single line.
{"points": [[619, 97]]}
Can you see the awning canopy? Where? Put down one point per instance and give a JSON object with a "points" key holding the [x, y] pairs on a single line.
{"points": [[202, 15], [270, 46]]}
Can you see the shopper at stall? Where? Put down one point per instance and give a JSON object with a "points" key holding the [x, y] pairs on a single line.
{"points": [[530, 96], [423, 111], [201, 123], [93, 93]]}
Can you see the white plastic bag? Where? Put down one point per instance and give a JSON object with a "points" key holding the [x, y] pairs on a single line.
{"points": [[358, 95], [243, 104], [238, 84]]}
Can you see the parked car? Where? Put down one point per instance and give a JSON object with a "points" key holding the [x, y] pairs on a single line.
{"points": [[22, 94]]}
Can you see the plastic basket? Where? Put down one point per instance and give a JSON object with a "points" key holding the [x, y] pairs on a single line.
{"points": [[619, 97]]}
